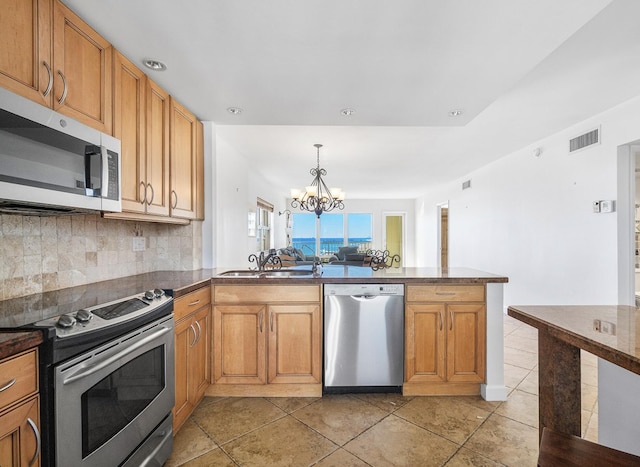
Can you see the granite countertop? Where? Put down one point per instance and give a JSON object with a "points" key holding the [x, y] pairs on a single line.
{"points": [[21, 311], [14, 342], [617, 341]]}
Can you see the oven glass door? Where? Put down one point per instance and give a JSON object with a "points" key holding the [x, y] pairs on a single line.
{"points": [[110, 398]]}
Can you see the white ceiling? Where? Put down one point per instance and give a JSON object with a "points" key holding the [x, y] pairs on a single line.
{"points": [[519, 69]]}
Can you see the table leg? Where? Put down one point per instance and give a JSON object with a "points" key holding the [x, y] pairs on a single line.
{"points": [[559, 385]]}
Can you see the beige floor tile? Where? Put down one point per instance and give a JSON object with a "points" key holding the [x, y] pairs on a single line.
{"points": [[341, 458], [217, 458], [526, 331], [445, 416], [523, 343], [396, 442], [232, 417], [589, 375], [592, 430], [283, 443], [476, 401], [513, 375], [190, 442], [291, 404], [387, 402], [507, 441], [521, 407], [521, 358], [530, 384], [340, 418], [589, 397], [585, 416], [466, 458]]}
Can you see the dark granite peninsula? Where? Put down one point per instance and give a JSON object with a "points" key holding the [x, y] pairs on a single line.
{"points": [[609, 332]]}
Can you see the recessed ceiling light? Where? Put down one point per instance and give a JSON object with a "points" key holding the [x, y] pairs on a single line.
{"points": [[234, 110], [347, 112], [155, 65], [455, 113]]}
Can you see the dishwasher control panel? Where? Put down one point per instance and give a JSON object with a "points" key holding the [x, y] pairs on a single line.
{"points": [[363, 289]]}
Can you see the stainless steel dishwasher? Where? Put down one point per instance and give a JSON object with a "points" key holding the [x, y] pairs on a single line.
{"points": [[363, 337]]}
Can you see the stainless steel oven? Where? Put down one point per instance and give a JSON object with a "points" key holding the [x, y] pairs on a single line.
{"points": [[108, 383]]}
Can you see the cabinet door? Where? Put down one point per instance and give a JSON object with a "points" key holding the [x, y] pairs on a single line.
{"points": [[199, 355], [425, 342], [19, 435], [466, 342], [294, 344], [129, 103], [184, 337], [183, 162], [82, 70], [25, 55], [239, 340], [157, 149]]}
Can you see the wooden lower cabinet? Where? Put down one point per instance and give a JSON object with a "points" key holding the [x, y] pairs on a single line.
{"points": [[19, 411], [192, 355], [445, 341], [271, 348]]}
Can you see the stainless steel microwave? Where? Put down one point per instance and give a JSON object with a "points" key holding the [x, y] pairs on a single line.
{"points": [[51, 164]]}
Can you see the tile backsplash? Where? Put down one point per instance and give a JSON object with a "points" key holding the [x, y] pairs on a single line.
{"points": [[39, 254]]}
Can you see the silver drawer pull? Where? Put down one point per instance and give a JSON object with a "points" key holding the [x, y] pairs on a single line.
{"points": [[445, 293], [8, 385], [195, 302], [36, 432]]}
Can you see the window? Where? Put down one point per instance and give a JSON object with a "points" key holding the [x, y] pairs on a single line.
{"points": [[334, 232], [264, 235]]}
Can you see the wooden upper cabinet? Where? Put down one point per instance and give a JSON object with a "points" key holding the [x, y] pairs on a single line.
{"points": [[157, 149], [183, 162], [82, 70], [200, 171], [129, 104], [25, 54]]}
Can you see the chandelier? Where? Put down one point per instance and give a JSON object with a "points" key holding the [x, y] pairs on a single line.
{"points": [[317, 197]]}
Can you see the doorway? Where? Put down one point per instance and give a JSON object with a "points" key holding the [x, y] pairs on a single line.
{"points": [[393, 235], [443, 235], [628, 219]]}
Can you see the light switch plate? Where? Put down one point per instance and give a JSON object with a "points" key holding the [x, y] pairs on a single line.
{"points": [[606, 206], [139, 244]]}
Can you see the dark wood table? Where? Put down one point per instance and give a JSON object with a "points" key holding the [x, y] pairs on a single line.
{"points": [[609, 332]]}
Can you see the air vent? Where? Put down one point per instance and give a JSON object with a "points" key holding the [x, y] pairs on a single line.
{"points": [[466, 184], [583, 141]]}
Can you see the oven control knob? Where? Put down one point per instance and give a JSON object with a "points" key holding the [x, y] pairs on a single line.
{"points": [[149, 295], [84, 316], [158, 292], [66, 321]]}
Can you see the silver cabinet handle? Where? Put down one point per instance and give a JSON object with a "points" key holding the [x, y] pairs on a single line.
{"points": [[144, 199], [153, 193], [195, 336], [175, 195], [445, 293], [36, 432], [260, 321], [199, 333], [8, 385], [441, 320], [50, 83], [64, 90], [450, 320], [271, 321]]}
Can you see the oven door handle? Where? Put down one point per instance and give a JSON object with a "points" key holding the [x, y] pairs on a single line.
{"points": [[95, 367]]}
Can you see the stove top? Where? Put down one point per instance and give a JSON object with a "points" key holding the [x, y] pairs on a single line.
{"points": [[93, 318]]}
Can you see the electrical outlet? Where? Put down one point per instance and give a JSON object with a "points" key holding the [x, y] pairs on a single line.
{"points": [[607, 206], [139, 244]]}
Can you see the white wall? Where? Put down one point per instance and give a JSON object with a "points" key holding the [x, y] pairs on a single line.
{"points": [[531, 218], [237, 186]]}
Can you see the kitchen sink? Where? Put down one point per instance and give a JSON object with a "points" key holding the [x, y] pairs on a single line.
{"points": [[267, 274]]}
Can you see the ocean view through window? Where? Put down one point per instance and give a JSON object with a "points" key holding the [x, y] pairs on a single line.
{"points": [[336, 230]]}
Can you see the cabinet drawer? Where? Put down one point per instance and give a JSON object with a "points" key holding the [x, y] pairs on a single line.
{"points": [[191, 302], [18, 377], [266, 293], [445, 293]]}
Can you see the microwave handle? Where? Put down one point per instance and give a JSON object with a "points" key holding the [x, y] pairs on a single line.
{"points": [[104, 186]]}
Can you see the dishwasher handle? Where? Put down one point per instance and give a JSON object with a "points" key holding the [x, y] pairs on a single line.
{"points": [[365, 297]]}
